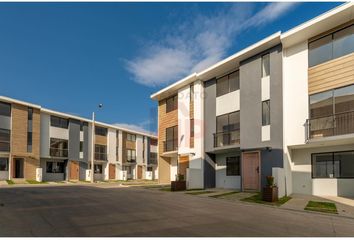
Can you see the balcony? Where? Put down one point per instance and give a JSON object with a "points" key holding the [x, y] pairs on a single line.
{"points": [[152, 161], [100, 156], [58, 152], [170, 145], [338, 124], [227, 138]]}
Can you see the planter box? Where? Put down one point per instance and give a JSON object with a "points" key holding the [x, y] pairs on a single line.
{"points": [[270, 194], [178, 185]]}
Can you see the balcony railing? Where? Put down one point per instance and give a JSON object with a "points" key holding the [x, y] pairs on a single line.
{"points": [[58, 152], [338, 124], [152, 161], [131, 160], [101, 156], [170, 145], [227, 138]]}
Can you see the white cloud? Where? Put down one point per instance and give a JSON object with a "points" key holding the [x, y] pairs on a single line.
{"points": [[199, 42]]}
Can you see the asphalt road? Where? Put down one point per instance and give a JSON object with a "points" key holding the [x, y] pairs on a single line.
{"points": [[92, 211]]}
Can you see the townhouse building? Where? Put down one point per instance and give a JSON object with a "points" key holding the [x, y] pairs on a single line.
{"points": [[36, 142], [279, 107]]}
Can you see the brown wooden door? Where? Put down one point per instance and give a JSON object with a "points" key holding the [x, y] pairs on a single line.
{"points": [[183, 164], [251, 171], [112, 171], [140, 172], [74, 170]]}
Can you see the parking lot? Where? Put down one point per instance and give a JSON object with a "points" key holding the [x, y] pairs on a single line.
{"points": [[135, 211]]}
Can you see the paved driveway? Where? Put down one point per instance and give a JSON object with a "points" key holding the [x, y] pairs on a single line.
{"points": [[94, 211]]}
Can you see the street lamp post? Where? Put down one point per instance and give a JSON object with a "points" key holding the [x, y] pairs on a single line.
{"points": [[93, 144]]}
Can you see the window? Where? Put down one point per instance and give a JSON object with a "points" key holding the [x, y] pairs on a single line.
{"points": [[131, 155], [192, 128], [5, 109], [153, 157], [100, 152], [5, 140], [191, 94], [233, 166], [101, 131], [171, 138], [228, 122], [344, 99], [171, 103], [81, 146], [55, 167], [98, 168], [149, 169], [58, 122], [333, 165], [29, 142], [30, 114], [265, 65], [58, 147], [331, 46], [82, 125], [228, 83], [131, 137], [265, 113], [153, 141], [4, 164]]}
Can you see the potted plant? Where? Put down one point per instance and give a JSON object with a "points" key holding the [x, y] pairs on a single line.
{"points": [[270, 192], [179, 184]]}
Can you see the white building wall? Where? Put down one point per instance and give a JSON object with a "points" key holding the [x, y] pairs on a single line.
{"points": [[183, 120], [61, 133], [111, 145], [221, 180], [139, 150], [173, 170], [44, 140], [295, 102], [228, 103], [303, 182]]}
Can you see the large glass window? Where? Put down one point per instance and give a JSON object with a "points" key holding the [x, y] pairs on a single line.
{"points": [[59, 122], [333, 165], [58, 147], [171, 103], [100, 152], [344, 99], [131, 137], [331, 46], [233, 166], [265, 65], [228, 122], [5, 140], [4, 164], [5, 109], [228, 83], [131, 155], [98, 168], [266, 113], [171, 138], [321, 104], [101, 131], [55, 167]]}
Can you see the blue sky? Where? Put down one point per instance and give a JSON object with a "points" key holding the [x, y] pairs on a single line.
{"points": [[71, 56]]}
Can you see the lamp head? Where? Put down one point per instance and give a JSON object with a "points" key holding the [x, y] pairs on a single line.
{"points": [[100, 105]]}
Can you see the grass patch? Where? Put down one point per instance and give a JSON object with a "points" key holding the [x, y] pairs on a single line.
{"points": [[196, 189], [257, 198], [35, 182], [156, 186], [10, 182], [326, 207], [224, 194], [199, 192], [166, 189]]}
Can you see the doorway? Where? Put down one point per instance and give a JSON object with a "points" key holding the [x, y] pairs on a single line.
{"points": [[18, 167], [74, 170], [251, 171]]}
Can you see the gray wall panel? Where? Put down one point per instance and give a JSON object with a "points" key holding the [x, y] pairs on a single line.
{"points": [[209, 114], [86, 146], [74, 140]]}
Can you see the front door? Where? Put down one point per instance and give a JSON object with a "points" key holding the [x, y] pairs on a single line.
{"points": [[251, 171], [112, 171], [74, 170], [18, 167], [183, 164], [140, 172]]}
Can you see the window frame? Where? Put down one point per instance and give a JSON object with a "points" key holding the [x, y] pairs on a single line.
{"points": [[332, 153], [5, 141], [228, 122], [228, 83], [7, 112], [262, 61], [101, 131], [131, 155], [174, 103], [61, 122], [56, 163], [6, 164], [266, 122], [131, 137], [238, 164]]}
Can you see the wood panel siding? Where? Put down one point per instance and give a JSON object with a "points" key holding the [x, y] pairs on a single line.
{"points": [[101, 140], [19, 130], [165, 120], [336, 73]]}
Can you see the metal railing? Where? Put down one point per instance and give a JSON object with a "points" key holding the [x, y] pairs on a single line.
{"points": [[337, 124], [227, 138], [58, 152], [170, 145], [101, 156]]}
